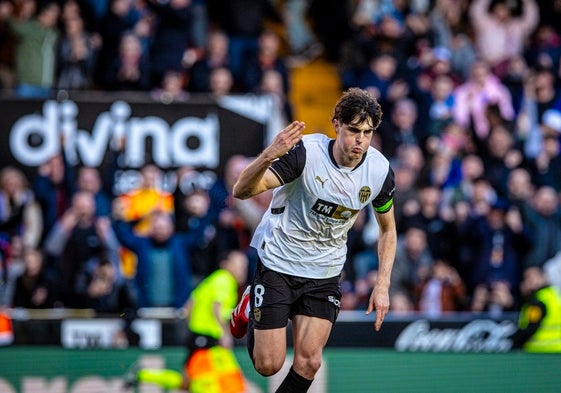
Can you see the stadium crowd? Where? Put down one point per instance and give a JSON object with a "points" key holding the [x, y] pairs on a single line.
{"points": [[472, 124]]}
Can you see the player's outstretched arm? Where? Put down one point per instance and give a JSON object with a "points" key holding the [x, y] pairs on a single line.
{"points": [[255, 179], [387, 243]]}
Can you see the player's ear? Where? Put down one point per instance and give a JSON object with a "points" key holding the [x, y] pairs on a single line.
{"points": [[336, 125]]}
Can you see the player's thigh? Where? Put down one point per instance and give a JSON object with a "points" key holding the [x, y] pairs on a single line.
{"points": [[270, 346], [310, 335]]}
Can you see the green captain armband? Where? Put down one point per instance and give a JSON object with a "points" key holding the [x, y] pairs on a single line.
{"points": [[385, 207]]}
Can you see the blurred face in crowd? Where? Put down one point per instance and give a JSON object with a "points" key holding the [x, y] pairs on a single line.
{"points": [[472, 167], [411, 156], [221, 81], [151, 176], [121, 7], [272, 82], [500, 141], [519, 183], [533, 280], [49, 15], [404, 114], [217, 46], [197, 203], [161, 227], [545, 201], [33, 261], [442, 88], [83, 204], [415, 241], [235, 165], [384, 66], [236, 264], [479, 73], [12, 181], [89, 180], [430, 200], [130, 48], [501, 11]]}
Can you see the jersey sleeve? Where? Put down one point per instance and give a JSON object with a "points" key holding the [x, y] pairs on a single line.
{"points": [[384, 201], [290, 166]]}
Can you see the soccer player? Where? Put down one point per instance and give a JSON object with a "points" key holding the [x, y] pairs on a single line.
{"points": [[320, 186], [210, 366]]}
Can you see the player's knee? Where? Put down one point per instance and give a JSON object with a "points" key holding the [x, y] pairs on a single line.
{"points": [[267, 367], [310, 365], [314, 364]]}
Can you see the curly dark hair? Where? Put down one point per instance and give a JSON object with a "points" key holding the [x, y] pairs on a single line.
{"points": [[357, 105]]}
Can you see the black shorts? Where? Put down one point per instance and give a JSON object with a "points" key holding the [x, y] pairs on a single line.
{"points": [[276, 297]]}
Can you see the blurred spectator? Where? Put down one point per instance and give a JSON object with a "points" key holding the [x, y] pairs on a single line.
{"points": [[452, 31], [120, 17], [493, 298], [546, 166], [89, 180], [446, 150], [235, 219], [53, 188], [400, 129], [267, 58], [405, 182], [215, 55], [303, 45], [381, 80], [500, 156], [330, 21], [221, 82], [172, 88], [242, 27], [426, 212], [471, 169], [514, 78], [36, 43], [544, 49], [77, 242], [20, 214], [442, 291], [520, 188], [500, 35], [77, 55], [544, 220], [540, 108], [7, 47], [11, 267], [130, 69], [191, 210], [34, 289], [163, 275], [272, 84], [361, 255], [171, 37], [538, 324], [412, 266], [439, 104], [499, 240], [109, 293], [472, 98], [145, 198]]}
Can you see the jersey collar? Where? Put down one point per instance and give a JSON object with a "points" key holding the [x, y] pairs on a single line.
{"points": [[332, 157]]}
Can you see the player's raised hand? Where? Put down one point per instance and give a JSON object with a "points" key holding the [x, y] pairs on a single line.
{"points": [[379, 301], [285, 140]]}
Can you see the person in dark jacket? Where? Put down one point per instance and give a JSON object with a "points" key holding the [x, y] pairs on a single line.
{"points": [[163, 271]]}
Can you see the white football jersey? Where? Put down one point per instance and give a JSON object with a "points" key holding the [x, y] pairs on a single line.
{"points": [[304, 232]]}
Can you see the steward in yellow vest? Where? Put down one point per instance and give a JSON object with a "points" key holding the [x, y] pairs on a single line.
{"points": [[539, 324]]}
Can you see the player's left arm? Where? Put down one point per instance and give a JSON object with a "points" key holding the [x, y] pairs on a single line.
{"points": [[387, 244]]}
